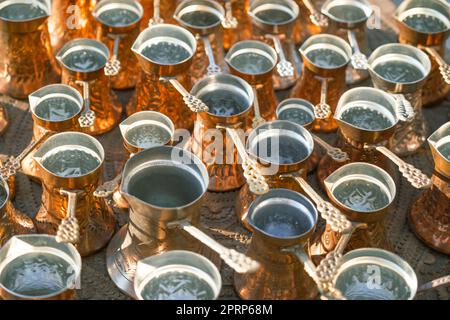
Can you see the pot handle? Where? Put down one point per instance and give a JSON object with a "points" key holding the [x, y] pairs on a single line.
{"points": [[113, 66], [444, 68], [323, 109], [332, 215], [414, 176], [108, 188], [256, 181], [229, 22], [191, 101], [156, 14], [284, 67], [69, 229], [13, 164], [87, 118], [236, 260], [316, 17], [404, 110], [358, 59], [334, 153], [257, 119], [213, 68], [433, 284]]}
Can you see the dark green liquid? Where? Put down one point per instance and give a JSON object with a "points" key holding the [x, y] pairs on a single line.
{"points": [[251, 63], [274, 16], [118, 17], [347, 13], [326, 58], [166, 53], [22, 11], [147, 135], [399, 72], [445, 150], [165, 186], [281, 150], [371, 282], [85, 60], [71, 163], [361, 195], [37, 274], [296, 115], [224, 103], [57, 109], [366, 119], [200, 18], [3, 196], [425, 23]]}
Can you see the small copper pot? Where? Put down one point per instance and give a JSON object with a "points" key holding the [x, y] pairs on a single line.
{"points": [[84, 63], [119, 35], [430, 212], [23, 253], [323, 77], [26, 57], [437, 86]]}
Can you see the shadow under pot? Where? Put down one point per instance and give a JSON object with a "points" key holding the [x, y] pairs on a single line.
{"points": [[165, 187], [177, 275], [325, 59], [426, 24], [203, 18], [118, 25], [430, 212], [165, 54], [26, 57], [365, 194], [70, 166], [84, 63]]}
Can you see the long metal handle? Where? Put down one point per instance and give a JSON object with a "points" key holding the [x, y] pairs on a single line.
{"points": [[87, 118], [108, 188], [284, 67], [69, 229], [359, 59], [444, 68], [113, 66], [404, 109], [322, 110], [414, 176], [434, 283], [333, 216], [316, 17], [13, 164], [236, 260], [255, 180], [213, 68], [191, 101], [257, 119], [230, 22], [156, 14], [334, 153]]}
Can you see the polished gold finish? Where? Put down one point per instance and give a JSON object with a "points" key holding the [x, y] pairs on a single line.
{"points": [[437, 86], [430, 212], [123, 65], [26, 57], [328, 81], [72, 198]]}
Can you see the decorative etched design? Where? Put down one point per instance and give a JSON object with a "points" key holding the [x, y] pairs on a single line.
{"points": [[69, 229], [230, 22]]}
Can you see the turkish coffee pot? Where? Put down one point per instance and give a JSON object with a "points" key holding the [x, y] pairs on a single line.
{"points": [[164, 187], [429, 213], [70, 166], [311, 21], [26, 57], [203, 18], [118, 25], [426, 25]]}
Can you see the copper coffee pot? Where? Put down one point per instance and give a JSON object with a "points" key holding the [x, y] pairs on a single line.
{"points": [[348, 19], [365, 194], [70, 166], [54, 108], [37, 267], [311, 21], [402, 69], [325, 59], [301, 112], [26, 57], [426, 25], [254, 61], [118, 23], [157, 11], [175, 182], [230, 101], [189, 266], [71, 19], [85, 66], [165, 54], [12, 222], [203, 18], [273, 22], [429, 213], [237, 24]]}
